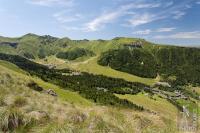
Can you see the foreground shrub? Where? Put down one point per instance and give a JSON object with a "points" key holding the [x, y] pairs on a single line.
{"points": [[20, 101], [11, 119], [59, 128], [34, 86], [2, 102]]}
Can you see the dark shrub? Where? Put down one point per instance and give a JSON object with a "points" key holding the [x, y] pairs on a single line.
{"points": [[20, 101], [74, 54], [34, 86]]}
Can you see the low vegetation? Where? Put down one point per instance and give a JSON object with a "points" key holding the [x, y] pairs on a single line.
{"points": [[178, 62], [118, 85], [134, 61], [74, 54], [42, 113], [86, 84]]}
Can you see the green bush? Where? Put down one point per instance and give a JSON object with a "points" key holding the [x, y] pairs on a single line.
{"points": [[74, 54], [182, 63], [2, 102], [28, 55], [42, 53], [134, 61], [34, 86], [12, 119], [20, 101]]}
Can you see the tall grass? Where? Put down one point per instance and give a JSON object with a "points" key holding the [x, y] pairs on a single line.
{"points": [[12, 119], [23, 105], [20, 101]]}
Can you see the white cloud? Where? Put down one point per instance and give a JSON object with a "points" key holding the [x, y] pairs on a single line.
{"points": [[148, 31], [178, 14], [138, 18], [169, 4], [169, 12], [198, 2], [99, 22], [62, 17], [68, 28], [168, 29], [144, 19], [140, 6], [109, 17], [143, 32], [51, 2], [181, 35]]}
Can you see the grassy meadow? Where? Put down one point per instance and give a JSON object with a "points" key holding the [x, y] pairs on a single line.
{"points": [[69, 112]]}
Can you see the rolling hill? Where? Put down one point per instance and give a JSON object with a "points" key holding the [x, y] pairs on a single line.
{"points": [[51, 84], [35, 111]]}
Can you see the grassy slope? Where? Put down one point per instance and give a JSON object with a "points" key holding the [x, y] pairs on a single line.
{"points": [[32, 43], [156, 104], [91, 66], [11, 66], [65, 116], [128, 123], [65, 95]]}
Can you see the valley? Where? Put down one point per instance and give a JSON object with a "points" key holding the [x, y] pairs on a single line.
{"points": [[119, 85]]}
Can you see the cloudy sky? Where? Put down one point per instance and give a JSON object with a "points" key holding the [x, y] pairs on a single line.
{"points": [[161, 21]]}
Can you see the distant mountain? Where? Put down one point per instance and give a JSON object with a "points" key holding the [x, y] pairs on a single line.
{"points": [[131, 55], [50, 84]]}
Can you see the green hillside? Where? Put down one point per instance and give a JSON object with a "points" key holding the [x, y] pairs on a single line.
{"points": [[132, 59], [65, 95], [90, 65], [183, 63], [42, 113], [119, 85], [42, 49]]}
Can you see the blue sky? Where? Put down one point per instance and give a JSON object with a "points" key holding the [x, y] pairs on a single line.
{"points": [[160, 21]]}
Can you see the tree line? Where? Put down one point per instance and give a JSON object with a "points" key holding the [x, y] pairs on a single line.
{"points": [[182, 63], [86, 84]]}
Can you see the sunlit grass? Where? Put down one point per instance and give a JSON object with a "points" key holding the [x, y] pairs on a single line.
{"points": [[91, 66], [66, 112], [159, 105], [66, 95]]}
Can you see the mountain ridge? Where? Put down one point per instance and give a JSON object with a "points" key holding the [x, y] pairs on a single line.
{"points": [[92, 81]]}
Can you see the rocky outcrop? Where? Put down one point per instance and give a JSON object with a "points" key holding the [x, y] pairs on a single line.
{"points": [[38, 115], [164, 84], [11, 44], [51, 92]]}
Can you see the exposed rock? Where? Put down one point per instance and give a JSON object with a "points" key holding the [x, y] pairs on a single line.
{"points": [[164, 84], [137, 44], [78, 117], [147, 88], [75, 73], [38, 115], [102, 89], [50, 66], [51, 92], [11, 44]]}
